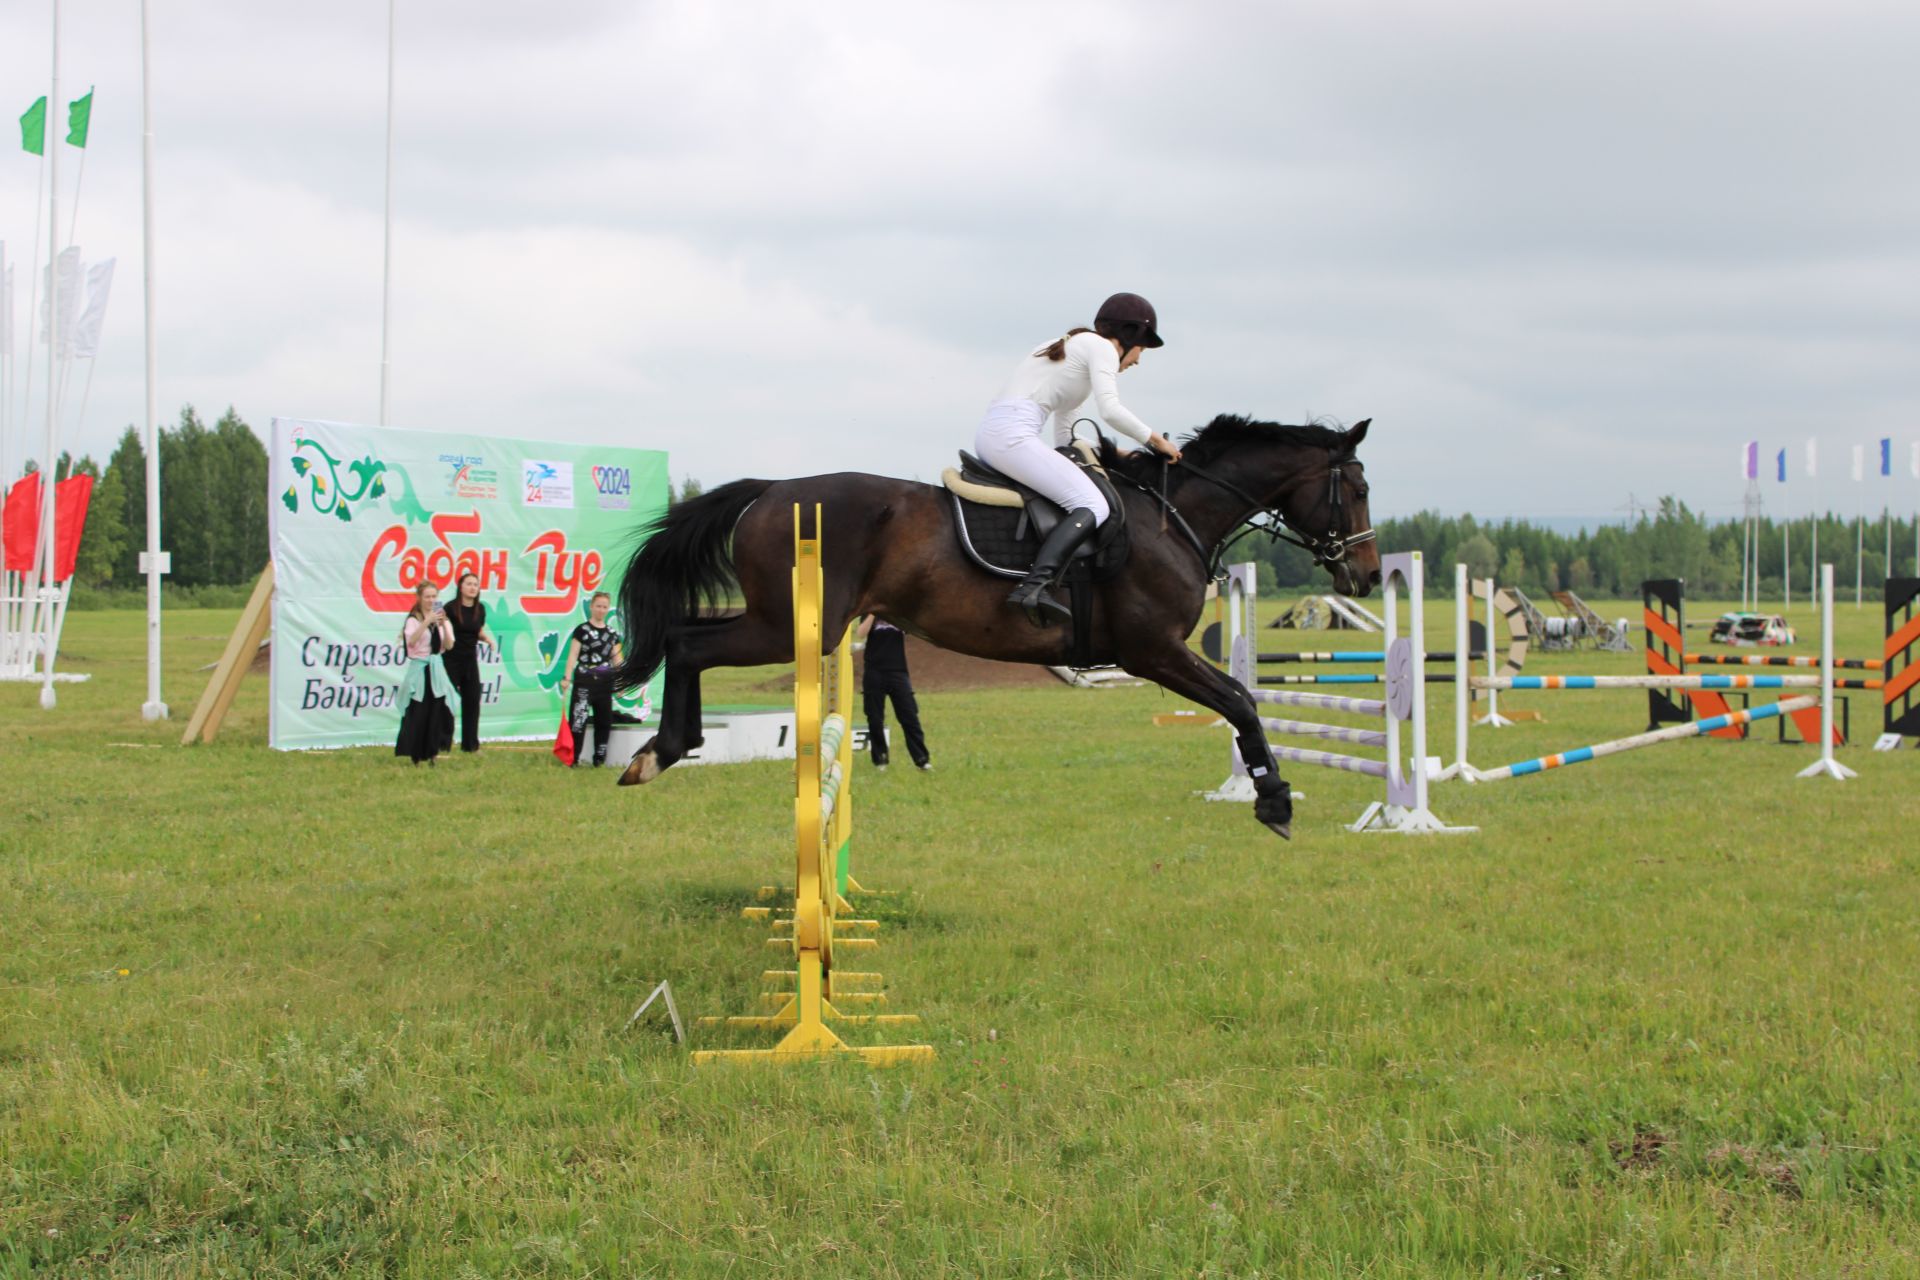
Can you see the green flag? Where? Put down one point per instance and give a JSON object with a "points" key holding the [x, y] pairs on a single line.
{"points": [[33, 128], [79, 116]]}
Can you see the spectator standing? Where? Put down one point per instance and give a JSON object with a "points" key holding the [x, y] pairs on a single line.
{"points": [[592, 653], [469, 619], [426, 716], [885, 676]]}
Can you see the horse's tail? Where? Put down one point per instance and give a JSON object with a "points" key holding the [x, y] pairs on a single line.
{"points": [[685, 562]]}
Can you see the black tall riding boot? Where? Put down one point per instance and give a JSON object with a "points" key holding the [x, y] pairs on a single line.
{"points": [[1031, 595]]}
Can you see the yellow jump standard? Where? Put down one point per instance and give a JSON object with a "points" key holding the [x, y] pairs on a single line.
{"points": [[823, 822]]}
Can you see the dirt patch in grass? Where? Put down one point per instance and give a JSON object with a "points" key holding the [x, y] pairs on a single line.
{"points": [[1778, 1175], [1642, 1151], [937, 670]]}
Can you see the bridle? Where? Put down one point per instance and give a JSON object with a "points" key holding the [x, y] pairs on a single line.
{"points": [[1329, 549]]}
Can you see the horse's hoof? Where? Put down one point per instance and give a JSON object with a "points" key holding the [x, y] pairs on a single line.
{"points": [[1274, 809], [643, 768]]}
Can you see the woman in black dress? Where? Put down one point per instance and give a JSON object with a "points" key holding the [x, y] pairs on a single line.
{"points": [[426, 695], [592, 654], [469, 619]]}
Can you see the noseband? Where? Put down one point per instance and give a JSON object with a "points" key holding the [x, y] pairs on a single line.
{"points": [[1328, 549]]}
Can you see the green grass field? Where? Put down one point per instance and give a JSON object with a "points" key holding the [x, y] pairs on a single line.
{"points": [[267, 1014]]}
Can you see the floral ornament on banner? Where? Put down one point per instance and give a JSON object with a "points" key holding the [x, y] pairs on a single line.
{"points": [[326, 493]]}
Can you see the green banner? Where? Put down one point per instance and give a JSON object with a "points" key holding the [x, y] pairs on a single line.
{"points": [[362, 515]]}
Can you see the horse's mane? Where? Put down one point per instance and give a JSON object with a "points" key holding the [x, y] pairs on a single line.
{"points": [[1205, 445]]}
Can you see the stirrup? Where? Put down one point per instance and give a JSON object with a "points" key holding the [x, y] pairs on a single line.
{"points": [[1042, 610]]}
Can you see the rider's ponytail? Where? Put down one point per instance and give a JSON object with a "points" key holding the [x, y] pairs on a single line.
{"points": [[1058, 349]]}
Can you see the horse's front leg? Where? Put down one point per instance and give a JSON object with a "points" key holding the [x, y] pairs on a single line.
{"points": [[1182, 671]]}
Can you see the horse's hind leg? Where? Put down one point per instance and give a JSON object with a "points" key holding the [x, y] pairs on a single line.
{"points": [[745, 641]]}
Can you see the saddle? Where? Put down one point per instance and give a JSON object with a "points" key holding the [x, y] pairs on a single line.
{"points": [[1001, 522]]}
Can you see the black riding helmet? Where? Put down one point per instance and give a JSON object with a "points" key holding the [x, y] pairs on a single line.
{"points": [[1128, 318]]}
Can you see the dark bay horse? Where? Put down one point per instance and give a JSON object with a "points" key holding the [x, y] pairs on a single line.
{"points": [[889, 548]]}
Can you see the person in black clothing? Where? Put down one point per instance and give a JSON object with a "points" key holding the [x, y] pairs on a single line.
{"points": [[886, 677], [469, 619], [592, 654]]}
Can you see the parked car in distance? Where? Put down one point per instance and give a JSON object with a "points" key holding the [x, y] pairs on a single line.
{"points": [[1751, 629]]}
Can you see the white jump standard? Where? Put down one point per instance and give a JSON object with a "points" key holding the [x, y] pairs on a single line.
{"points": [[1826, 766], [1405, 808]]}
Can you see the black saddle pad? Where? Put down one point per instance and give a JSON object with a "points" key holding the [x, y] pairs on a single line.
{"points": [[998, 539], [1003, 540]]}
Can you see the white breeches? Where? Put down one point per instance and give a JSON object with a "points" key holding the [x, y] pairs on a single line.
{"points": [[1011, 439]]}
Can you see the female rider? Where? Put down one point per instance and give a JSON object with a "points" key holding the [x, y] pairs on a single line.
{"points": [[1055, 379]]}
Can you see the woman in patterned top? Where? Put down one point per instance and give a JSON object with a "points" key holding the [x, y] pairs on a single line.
{"points": [[592, 653]]}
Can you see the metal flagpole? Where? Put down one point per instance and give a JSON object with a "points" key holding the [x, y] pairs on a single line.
{"points": [[1813, 557], [386, 264], [49, 465], [6, 448], [1746, 555], [153, 563], [7, 371], [33, 286], [80, 175], [1859, 554]]}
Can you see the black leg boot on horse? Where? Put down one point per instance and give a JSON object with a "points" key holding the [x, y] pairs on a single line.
{"points": [[1031, 597]]}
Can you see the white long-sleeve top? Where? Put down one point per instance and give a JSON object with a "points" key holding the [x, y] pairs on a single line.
{"points": [[1062, 386]]}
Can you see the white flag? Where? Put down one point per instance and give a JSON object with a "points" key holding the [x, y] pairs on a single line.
{"points": [[1859, 462], [86, 334], [1813, 458], [69, 298], [1914, 463]]}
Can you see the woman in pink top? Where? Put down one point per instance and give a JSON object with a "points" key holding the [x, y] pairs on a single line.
{"points": [[427, 697]]}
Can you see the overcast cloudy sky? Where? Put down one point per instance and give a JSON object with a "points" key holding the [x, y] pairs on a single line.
{"points": [[1557, 252]]}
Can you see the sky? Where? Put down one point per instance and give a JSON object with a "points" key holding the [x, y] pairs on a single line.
{"points": [[1560, 254]]}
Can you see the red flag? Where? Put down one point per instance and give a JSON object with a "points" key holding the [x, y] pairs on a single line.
{"points": [[22, 517], [563, 741], [70, 500]]}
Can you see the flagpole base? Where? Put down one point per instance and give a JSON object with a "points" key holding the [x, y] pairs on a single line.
{"points": [[1828, 767], [153, 711], [1494, 720], [47, 698]]}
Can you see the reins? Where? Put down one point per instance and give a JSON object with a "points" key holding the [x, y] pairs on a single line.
{"points": [[1328, 549]]}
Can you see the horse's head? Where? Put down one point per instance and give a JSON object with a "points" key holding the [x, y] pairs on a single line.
{"points": [[1305, 478], [1327, 510]]}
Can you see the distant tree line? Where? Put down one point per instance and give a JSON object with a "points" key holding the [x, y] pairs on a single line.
{"points": [[1611, 561], [213, 506], [213, 518]]}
